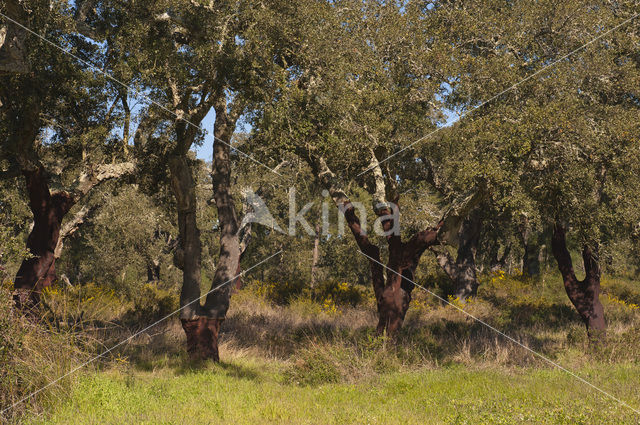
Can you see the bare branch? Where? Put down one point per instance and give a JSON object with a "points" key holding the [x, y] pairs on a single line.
{"points": [[70, 227], [103, 172]]}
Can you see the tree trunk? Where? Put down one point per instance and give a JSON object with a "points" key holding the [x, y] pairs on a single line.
{"points": [[38, 271], [13, 52], [70, 227], [314, 258], [228, 266], [393, 288], [585, 294], [466, 283], [202, 323], [188, 255], [496, 262], [462, 271], [153, 271], [531, 246], [49, 209], [531, 258], [396, 294]]}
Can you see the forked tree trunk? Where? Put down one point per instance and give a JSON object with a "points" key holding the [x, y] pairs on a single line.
{"points": [[202, 323], [401, 266], [38, 271], [49, 209], [393, 288], [228, 267], [584, 294]]}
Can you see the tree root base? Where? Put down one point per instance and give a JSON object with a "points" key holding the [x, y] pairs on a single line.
{"points": [[202, 338]]}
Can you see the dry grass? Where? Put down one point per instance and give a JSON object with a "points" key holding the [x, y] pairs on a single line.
{"points": [[32, 355], [315, 342]]}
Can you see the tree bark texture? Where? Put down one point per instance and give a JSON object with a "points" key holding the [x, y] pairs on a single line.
{"points": [[38, 271], [189, 249], [393, 282], [46, 239], [13, 51], [201, 323], [584, 294], [462, 271]]}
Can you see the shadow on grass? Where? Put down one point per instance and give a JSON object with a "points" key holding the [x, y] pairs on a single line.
{"points": [[280, 337], [233, 370], [527, 314], [441, 335]]}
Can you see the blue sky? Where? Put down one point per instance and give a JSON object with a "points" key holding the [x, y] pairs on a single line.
{"points": [[206, 150]]}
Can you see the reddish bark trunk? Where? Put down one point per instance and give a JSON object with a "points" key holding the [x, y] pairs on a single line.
{"points": [[401, 267], [48, 210], [584, 294], [393, 296], [202, 337], [201, 323]]}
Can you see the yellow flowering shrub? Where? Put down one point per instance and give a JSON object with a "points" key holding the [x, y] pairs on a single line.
{"points": [[623, 303], [277, 292], [329, 305], [340, 293]]}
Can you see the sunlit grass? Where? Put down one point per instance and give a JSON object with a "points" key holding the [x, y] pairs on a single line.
{"points": [[317, 359], [249, 391]]}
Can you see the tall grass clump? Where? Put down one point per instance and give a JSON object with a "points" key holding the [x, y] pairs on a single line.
{"points": [[32, 355]]}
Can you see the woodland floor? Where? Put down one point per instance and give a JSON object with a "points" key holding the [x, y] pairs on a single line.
{"points": [[245, 391], [315, 363]]}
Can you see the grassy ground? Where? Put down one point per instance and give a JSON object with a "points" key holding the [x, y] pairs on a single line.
{"points": [[320, 362], [244, 391]]}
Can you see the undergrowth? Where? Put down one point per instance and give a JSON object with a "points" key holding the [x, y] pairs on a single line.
{"points": [[313, 337]]}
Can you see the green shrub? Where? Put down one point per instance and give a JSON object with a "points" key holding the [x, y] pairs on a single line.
{"points": [[315, 366], [82, 304], [150, 303], [341, 293], [279, 293]]}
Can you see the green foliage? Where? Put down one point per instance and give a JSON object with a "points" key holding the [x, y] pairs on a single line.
{"points": [[319, 365], [278, 292], [151, 303], [340, 293], [301, 352], [560, 146], [339, 79], [331, 293], [13, 215], [126, 235], [82, 306], [449, 395]]}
